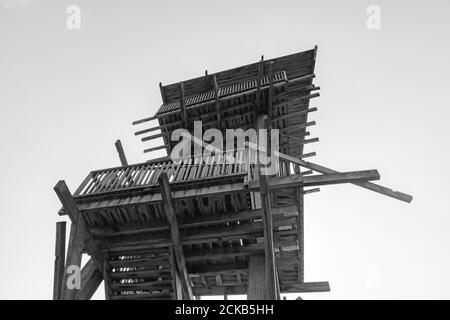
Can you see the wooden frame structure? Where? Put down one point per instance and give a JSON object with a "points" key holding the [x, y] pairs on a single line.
{"points": [[168, 230]]}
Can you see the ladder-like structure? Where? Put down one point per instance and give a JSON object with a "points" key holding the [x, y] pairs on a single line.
{"points": [[168, 229]]}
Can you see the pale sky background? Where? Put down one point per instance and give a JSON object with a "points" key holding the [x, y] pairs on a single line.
{"points": [[66, 96]]}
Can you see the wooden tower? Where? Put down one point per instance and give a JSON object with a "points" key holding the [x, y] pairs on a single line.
{"points": [[179, 230]]}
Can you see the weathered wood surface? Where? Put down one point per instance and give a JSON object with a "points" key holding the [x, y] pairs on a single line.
{"points": [[60, 252], [175, 236]]}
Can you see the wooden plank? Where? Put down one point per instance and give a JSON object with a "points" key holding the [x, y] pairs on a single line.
{"points": [[156, 148], [219, 290], [144, 120], [306, 287], [298, 180], [122, 157], [60, 252], [175, 235]]}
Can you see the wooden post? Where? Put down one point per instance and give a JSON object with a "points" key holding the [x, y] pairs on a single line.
{"points": [[176, 281], [74, 254], [123, 158], [256, 289], [60, 252], [270, 279], [91, 277], [183, 106], [80, 239], [106, 279], [169, 210], [218, 111]]}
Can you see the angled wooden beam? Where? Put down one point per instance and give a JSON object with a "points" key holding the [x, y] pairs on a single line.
{"points": [[73, 259], [60, 252], [122, 157], [80, 238], [169, 210], [366, 185], [144, 120], [91, 278], [298, 180]]}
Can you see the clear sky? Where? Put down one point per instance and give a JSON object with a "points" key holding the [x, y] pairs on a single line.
{"points": [[67, 95]]}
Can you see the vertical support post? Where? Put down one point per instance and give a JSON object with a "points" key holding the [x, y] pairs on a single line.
{"points": [[74, 254], [106, 279], [60, 252], [271, 274], [176, 281], [218, 111], [256, 289], [80, 239], [123, 158], [163, 95], [183, 106], [270, 104], [169, 210]]}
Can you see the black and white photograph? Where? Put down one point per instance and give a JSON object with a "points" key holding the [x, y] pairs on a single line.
{"points": [[211, 151]]}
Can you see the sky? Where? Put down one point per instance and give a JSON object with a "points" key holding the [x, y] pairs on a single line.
{"points": [[67, 95]]}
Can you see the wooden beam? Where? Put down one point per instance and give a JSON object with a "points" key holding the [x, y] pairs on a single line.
{"points": [[268, 239], [257, 278], [122, 157], [156, 148], [219, 290], [175, 234], [60, 252], [218, 110], [176, 281], [244, 215], [80, 238], [270, 101], [366, 185], [163, 95], [144, 120], [183, 105], [306, 287], [91, 277]]}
